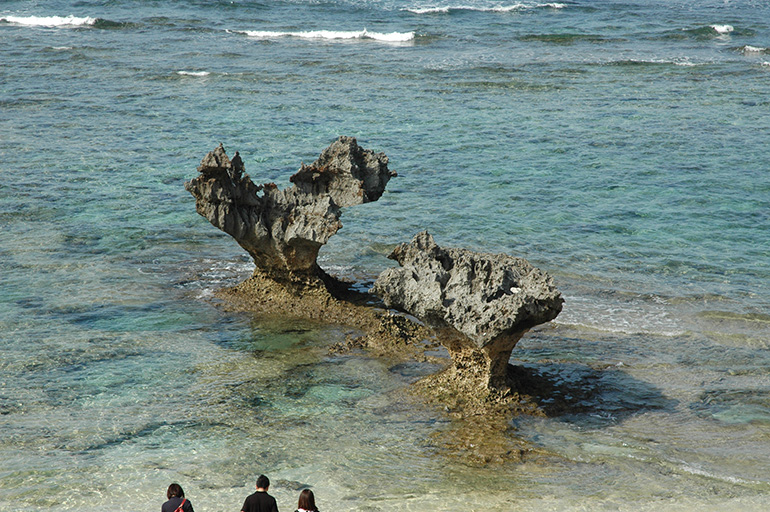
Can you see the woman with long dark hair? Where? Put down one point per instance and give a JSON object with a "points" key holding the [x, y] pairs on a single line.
{"points": [[176, 500], [306, 502]]}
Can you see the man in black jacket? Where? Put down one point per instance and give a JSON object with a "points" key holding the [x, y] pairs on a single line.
{"points": [[260, 501]]}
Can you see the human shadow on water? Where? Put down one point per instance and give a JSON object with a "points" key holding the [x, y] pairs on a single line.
{"points": [[578, 392]]}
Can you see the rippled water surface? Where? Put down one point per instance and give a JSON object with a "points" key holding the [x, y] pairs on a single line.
{"points": [[620, 146]]}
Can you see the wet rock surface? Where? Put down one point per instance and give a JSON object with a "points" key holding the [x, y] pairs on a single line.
{"points": [[479, 304]]}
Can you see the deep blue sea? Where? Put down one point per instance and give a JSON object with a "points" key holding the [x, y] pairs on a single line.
{"points": [[623, 146]]}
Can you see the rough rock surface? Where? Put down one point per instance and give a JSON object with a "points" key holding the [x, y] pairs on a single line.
{"points": [[283, 230], [480, 305], [477, 305]]}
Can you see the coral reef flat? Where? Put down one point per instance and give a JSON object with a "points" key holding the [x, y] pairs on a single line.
{"points": [[620, 147]]}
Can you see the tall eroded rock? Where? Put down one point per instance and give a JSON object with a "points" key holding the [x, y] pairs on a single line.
{"points": [[283, 230], [479, 304]]}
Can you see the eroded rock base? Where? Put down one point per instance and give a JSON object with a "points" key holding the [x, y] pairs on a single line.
{"points": [[319, 296], [486, 366], [481, 432], [314, 296]]}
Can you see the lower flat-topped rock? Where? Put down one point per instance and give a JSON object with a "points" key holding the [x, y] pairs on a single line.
{"points": [[283, 230], [480, 305]]}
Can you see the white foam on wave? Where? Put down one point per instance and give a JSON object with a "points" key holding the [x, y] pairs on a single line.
{"points": [[193, 73], [498, 8], [684, 63], [722, 29], [392, 37], [433, 10], [49, 21], [753, 49]]}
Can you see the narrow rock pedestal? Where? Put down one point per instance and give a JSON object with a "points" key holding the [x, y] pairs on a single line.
{"points": [[480, 305]]}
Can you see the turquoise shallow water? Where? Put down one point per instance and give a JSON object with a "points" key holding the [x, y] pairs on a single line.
{"points": [[620, 146]]}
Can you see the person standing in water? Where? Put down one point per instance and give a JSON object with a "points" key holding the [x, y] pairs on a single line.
{"points": [[260, 501], [176, 500]]}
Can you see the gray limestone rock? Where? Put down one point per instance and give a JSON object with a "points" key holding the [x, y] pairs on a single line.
{"points": [[479, 304], [283, 230]]}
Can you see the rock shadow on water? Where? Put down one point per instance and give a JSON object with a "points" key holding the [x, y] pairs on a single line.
{"points": [[583, 394], [483, 432]]}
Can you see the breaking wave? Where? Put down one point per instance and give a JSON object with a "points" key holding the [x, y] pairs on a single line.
{"points": [[391, 37], [706, 32], [193, 73], [722, 29], [49, 21], [498, 8], [753, 49], [654, 62]]}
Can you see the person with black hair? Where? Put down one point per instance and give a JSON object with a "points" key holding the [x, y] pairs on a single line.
{"points": [[306, 501], [176, 500], [260, 501]]}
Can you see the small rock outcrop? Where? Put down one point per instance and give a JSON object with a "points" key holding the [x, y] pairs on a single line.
{"points": [[480, 305], [283, 230]]}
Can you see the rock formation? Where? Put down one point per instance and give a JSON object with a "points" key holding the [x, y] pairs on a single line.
{"points": [[283, 230], [477, 305], [480, 305]]}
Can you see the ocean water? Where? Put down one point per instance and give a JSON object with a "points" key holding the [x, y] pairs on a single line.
{"points": [[620, 145]]}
